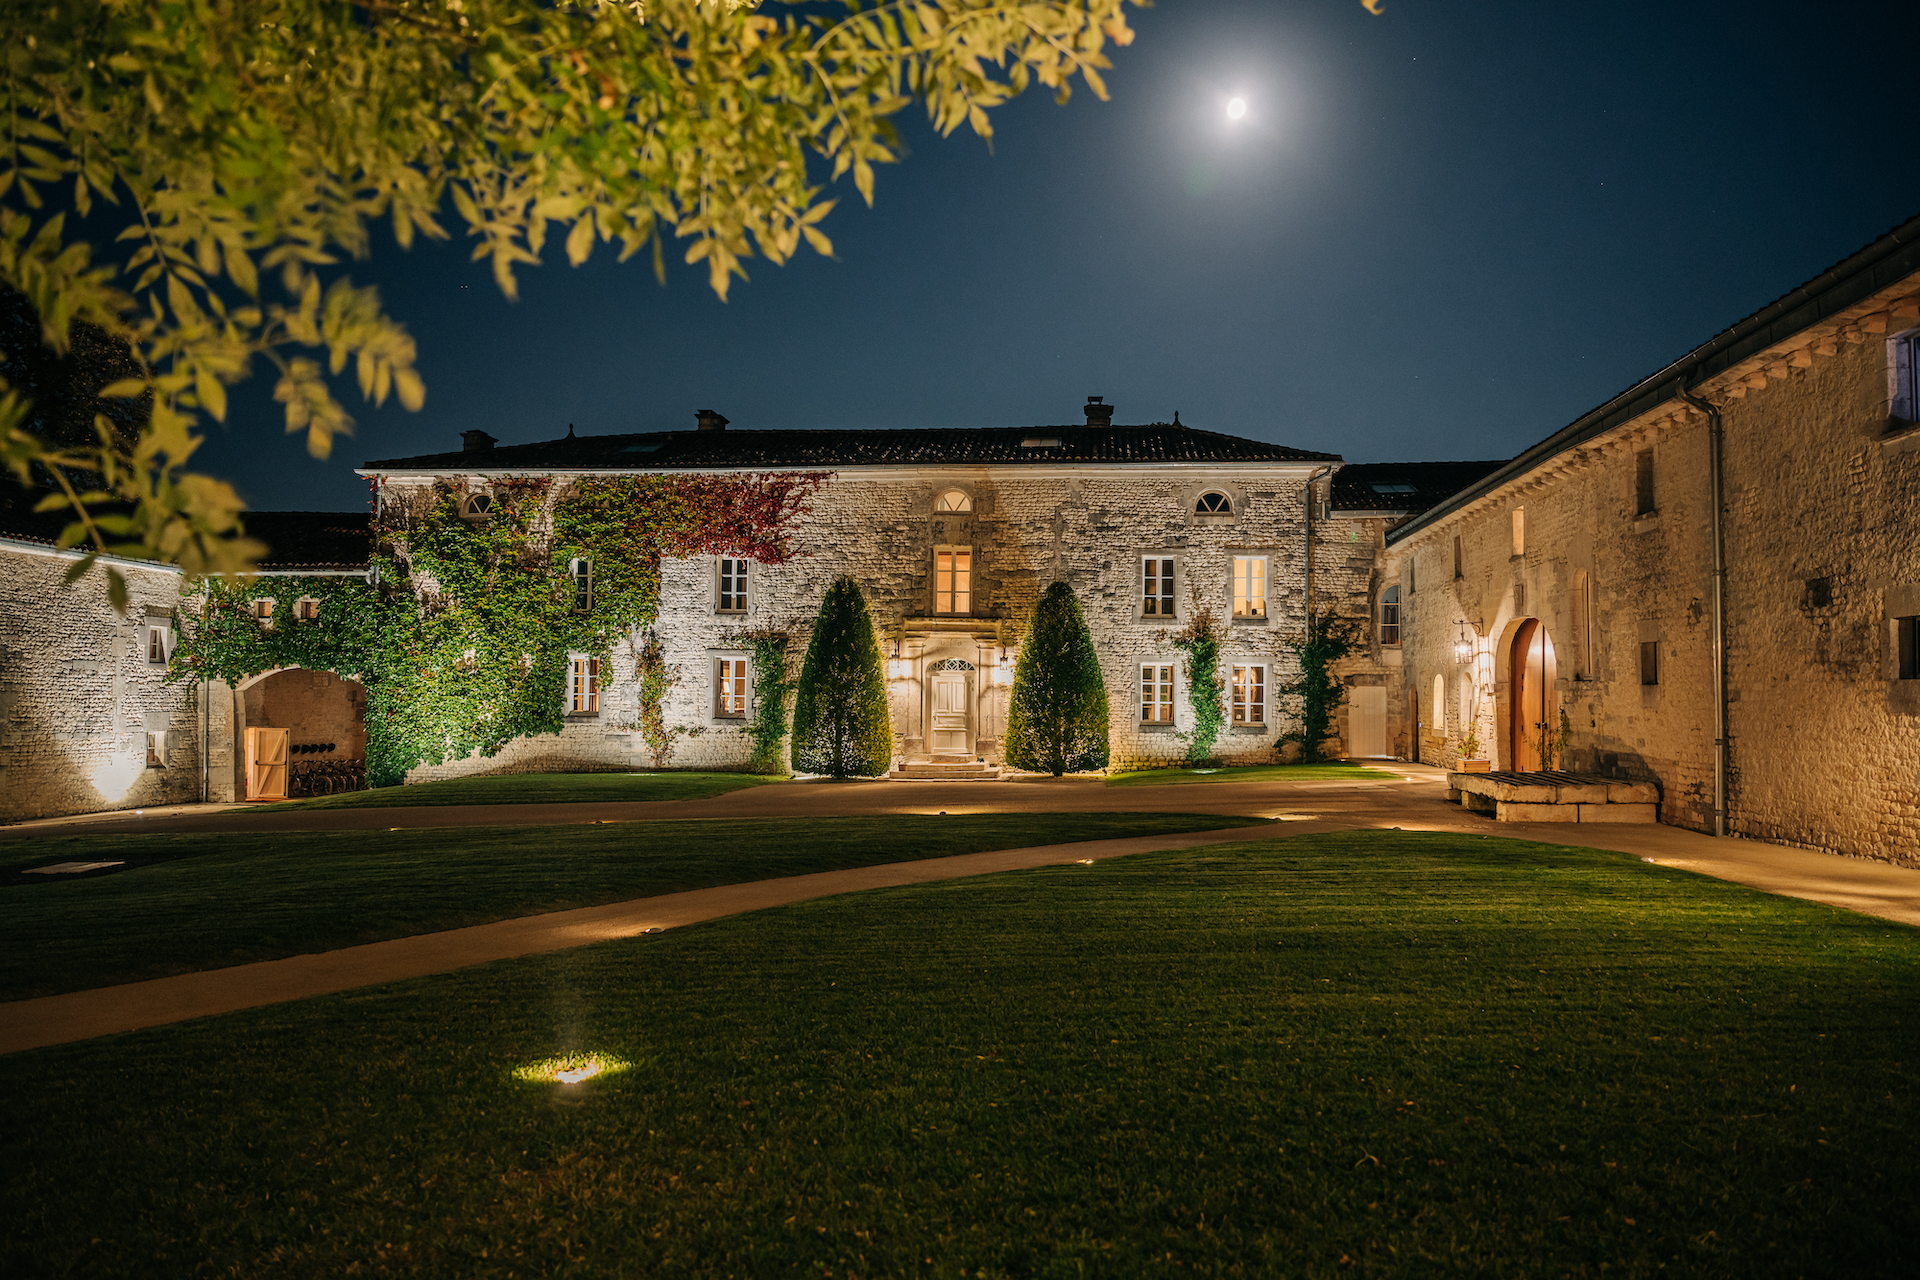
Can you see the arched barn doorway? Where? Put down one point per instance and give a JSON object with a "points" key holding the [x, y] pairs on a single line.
{"points": [[1530, 663], [302, 733]]}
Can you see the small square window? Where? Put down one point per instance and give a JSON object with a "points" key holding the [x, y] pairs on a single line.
{"points": [[263, 612], [1906, 644], [732, 596], [1250, 695], [584, 687], [1649, 662], [1819, 593], [306, 609], [1156, 596], [1156, 693], [730, 689], [1249, 586]]}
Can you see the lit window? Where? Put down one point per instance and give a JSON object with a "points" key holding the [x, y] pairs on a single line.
{"points": [[730, 689], [581, 571], [1249, 586], [1213, 504], [1156, 599], [159, 641], [1519, 531], [953, 580], [733, 586], [1906, 640], [1390, 616], [953, 500], [1250, 695], [1156, 693], [157, 750], [584, 699]]}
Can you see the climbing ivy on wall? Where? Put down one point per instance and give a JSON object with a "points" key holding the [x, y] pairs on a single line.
{"points": [[1201, 643], [462, 640], [1328, 639], [771, 687]]}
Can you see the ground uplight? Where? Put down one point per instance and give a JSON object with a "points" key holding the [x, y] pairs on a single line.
{"points": [[573, 1068]]}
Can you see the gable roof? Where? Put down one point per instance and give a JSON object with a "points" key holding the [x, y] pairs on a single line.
{"points": [[836, 448], [1402, 488], [1858, 276]]}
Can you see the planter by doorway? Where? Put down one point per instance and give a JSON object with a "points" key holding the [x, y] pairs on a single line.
{"points": [[1473, 766]]}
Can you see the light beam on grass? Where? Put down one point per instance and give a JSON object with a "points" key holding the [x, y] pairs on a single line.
{"points": [[573, 1068]]}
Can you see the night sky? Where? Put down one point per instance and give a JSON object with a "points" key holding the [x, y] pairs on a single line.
{"points": [[1443, 232]]}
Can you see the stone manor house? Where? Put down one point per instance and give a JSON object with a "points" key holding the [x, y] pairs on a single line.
{"points": [[1707, 583]]}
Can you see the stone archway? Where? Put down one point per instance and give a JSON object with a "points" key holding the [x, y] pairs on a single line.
{"points": [[324, 718], [1530, 675]]}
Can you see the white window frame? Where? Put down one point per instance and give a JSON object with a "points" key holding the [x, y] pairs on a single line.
{"points": [[1248, 711], [160, 637], [583, 684], [947, 585], [1167, 585], [1246, 606], [476, 506], [732, 684], [156, 748], [580, 570], [1390, 623], [742, 582], [1158, 679]]}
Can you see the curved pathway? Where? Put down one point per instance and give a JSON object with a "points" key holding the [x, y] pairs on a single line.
{"points": [[1414, 801]]}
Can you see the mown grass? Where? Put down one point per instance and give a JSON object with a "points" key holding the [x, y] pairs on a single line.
{"points": [[1365, 1053], [538, 788], [192, 902], [1253, 773]]}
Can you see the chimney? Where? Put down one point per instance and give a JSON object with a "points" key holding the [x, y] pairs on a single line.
{"points": [[474, 441], [709, 420], [1099, 414]]}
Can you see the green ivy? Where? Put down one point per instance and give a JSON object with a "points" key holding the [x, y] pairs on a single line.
{"points": [[1327, 640], [771, 687], [1201, 643], [462, 640]]}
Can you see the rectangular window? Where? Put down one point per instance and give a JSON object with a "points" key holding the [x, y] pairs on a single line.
{"points": [[1156, 693], [1390, 616], [730, 689], [157, 750], [1249, 586], [159, 642], [584, 699], [953, 580], [1906, 639], [263, 610], [1250, 695], [1456, 555], [1519, 531], [1643, 483], [306, 608], [1156, 596], [733, 586], [1410, 575], [581, 571], [1519, 597], [1649, 662]]}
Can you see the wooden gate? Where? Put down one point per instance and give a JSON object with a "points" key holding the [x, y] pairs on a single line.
{"points": [[266, 764]]}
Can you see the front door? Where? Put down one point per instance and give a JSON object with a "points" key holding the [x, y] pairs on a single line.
{"points": [[266, 764], [952, 725], [1529, 722], [1367, 721]]}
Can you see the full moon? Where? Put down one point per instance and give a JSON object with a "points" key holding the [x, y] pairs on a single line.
{"points": [[1236, 108]]}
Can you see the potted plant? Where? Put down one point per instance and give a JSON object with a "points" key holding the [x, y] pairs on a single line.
{"points": [[1470, 760]]}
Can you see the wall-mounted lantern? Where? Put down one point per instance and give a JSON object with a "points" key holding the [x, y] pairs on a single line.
{"points": [[1003, 668], [1463, 644]]}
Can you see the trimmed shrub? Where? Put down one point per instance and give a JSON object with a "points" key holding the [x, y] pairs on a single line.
{"points": [[841, 724], [1057, 718]]}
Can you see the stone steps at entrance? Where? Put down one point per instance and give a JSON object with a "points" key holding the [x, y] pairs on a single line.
{"points": [[1555, 797], [948, 770]]}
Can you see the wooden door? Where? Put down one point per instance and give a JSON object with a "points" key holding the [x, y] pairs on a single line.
{"points": [[1530, 707], [1413, 719], [266, 764], [952, 725], [1367, 721]]}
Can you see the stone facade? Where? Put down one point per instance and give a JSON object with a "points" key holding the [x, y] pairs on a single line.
{"points": [[86, 723], [1586, 568], [1092, 525]]}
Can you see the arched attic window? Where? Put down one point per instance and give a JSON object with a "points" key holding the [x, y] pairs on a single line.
{"points": [[476, 506], [1213, 503], [953, 500]]}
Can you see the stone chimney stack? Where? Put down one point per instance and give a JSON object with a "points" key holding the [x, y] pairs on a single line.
{"points": [[709, 420], [1099, 413], [474, 441]]}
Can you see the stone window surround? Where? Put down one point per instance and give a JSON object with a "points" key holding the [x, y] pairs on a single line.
{"points": [[1172, 723], [933, 581], [1271, 555], [1389, 589], [714, 714], [160, 638], [1265, 703], [1190, 503]]}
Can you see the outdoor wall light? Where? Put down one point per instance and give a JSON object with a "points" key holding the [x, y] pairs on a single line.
{"points": [[571, 1069], [898, 668], [1463, 644]]}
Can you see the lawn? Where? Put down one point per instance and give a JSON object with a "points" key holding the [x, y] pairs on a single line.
{"points": [[1362, 1053], [539, 788], [193, 902], [1331, 772]]}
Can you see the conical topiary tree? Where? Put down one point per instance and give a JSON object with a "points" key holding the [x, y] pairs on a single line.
{"points": [[841, 724], [1057, 719]]}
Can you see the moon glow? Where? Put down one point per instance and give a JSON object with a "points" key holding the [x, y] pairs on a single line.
{"points": [[1236, 108]]}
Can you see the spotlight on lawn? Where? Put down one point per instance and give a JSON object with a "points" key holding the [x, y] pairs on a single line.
{"points": [[571, 1069]]}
